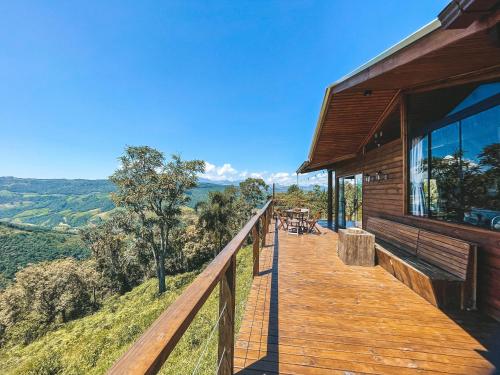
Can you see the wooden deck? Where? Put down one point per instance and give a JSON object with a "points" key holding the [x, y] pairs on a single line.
{"points": [[308, 313]]}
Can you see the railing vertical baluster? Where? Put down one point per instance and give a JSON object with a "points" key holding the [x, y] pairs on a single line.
{"points": [[264, 228], [227, 294], [255, 237]]}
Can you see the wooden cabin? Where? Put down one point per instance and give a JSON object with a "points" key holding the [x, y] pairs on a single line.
{"points": [[416, 132]]}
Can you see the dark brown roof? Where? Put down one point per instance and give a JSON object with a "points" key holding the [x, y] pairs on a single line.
{"points": [[353, 105]]}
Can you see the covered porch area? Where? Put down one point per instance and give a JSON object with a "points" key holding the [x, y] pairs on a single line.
{"points": [[308, 313]]}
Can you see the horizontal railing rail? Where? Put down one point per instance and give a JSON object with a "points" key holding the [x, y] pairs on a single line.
{"points": [[152, 349]]}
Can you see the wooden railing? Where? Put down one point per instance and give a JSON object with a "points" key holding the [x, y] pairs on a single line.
{"points": [[152, 349]]}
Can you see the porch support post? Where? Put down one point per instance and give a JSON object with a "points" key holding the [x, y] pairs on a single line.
{"points": [[337, 203], [330, 196]]}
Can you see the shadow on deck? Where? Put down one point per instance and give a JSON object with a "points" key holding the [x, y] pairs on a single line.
{"points": [[308, 313]]}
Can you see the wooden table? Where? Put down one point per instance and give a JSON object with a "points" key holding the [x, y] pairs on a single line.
{"points": [[298, 216]]}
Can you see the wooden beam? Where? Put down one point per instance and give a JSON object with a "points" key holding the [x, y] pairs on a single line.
{"points": [[263, 228], [227, 295], [325, 164], [404, 139], [330, 197], [459, 14], [436, 40], [319, 124], [255, 238], [337, 202], [490, 73], [376, 126]]}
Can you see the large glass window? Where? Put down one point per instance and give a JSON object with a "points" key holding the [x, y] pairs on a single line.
{"points": [[454, 155]]}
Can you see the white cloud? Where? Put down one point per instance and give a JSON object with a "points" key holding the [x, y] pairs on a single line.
{"points": [[215, 173], [227, 172], [226, 169], [209, 167]]}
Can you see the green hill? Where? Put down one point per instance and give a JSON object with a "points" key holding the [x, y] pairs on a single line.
{"points": [[61, 203], [91, 345], [22, 245]]}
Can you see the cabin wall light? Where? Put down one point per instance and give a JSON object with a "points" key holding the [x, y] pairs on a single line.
{"points": [[367, 93], [377, 177]]}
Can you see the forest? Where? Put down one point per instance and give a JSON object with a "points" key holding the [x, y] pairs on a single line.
{"points": [[20, 246], [115, 276]]}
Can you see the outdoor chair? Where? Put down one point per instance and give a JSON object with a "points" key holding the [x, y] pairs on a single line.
{"points": [[294, 226], [282, 221], [311, 223]]}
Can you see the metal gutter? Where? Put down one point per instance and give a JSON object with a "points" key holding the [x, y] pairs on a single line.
{"points": [[420, 33], [412, 38]]}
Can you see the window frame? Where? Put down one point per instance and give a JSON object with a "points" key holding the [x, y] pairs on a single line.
{"points": [[481, 106]]}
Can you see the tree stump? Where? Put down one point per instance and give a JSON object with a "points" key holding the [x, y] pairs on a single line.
{"points": [[356, 247]]}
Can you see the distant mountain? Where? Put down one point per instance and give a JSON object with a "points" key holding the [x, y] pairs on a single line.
{"points": [[219, 182], [55, 186], [65, 204]]}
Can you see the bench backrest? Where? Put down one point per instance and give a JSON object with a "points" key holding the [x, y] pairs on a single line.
{"points": [[401, 235], [448, 253]]}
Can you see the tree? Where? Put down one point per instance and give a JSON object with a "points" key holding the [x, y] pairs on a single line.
{"points": [[253, 191], [349, 199], [155, 190], [45, 293], [294, 188], [489, 160], [117, 257], [215, 216], [318, 199]]}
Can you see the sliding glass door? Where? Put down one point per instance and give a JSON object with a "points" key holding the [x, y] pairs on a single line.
{"points": [[350, 201], [341, 204]]}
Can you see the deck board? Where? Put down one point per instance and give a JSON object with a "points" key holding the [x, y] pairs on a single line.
{"points": [[308, 313]]}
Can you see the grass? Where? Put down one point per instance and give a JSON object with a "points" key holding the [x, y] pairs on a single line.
{"points": [[32, 213], [92, 344]]}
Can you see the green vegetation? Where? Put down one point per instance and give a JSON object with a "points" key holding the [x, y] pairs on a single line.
{"points": [[66, 204], [20, 246], [44, 296], [151, 192], [316, 199], [78, 315], [90, 345], [224, 213]]}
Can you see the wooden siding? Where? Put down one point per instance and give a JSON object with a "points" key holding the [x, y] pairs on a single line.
{"points": [[386, 199]]}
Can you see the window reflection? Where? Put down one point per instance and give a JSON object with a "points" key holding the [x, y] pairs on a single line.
{"points": [[445, 192], [454, 162], [481, 168]]}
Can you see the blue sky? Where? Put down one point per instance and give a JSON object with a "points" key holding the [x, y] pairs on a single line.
{"points": [[238, 84]]}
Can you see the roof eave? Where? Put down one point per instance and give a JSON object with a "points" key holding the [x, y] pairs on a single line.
{"points": [[420, 33]]}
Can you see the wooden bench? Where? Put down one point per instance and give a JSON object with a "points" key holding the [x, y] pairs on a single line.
{"points": [[441, 269]]}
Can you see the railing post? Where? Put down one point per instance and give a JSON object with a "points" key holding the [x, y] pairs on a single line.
{"points": [[255, 237], [264, 228], [227, 294]]}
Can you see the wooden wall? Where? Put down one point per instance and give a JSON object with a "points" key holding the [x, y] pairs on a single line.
{"points": [[386, 199]]}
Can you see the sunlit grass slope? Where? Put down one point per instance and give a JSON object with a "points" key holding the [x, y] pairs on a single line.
{"points": [[92, 344]]}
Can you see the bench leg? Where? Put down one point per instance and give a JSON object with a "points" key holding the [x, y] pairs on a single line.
{"points": [[462, 296]]}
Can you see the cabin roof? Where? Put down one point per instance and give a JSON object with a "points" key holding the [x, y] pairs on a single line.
{"points": [[459, 42]]}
